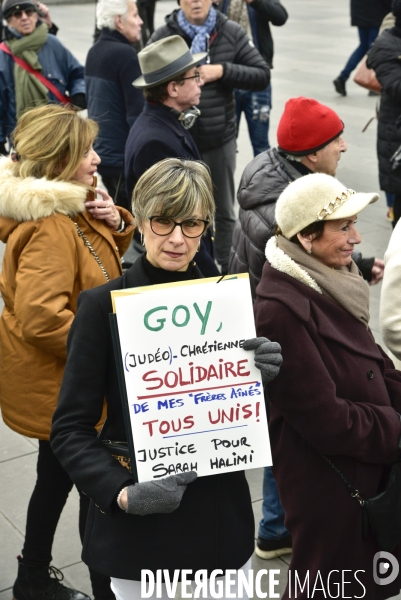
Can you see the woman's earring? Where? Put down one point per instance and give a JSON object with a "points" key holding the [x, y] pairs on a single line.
{"points": [[198, 247], [142, 242], [309, 251]]}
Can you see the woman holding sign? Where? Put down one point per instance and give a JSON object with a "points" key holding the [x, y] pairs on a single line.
{"points": [[336, 405], [61, 239], [178, 522]]}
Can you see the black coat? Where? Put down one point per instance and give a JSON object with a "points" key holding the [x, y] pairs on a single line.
{"points": [[157, 134], [244, 68], [213, 527], [113, 102], [384, 58], [369, 13]]}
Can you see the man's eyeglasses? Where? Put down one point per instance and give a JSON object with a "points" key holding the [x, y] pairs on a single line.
{"points": [[191, 228], [18, 13], [196, 77]]}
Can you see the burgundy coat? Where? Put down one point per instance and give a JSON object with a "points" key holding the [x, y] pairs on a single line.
{"points": [[337, 388]]}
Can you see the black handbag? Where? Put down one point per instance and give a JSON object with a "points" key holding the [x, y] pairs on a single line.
{"points": [[381, 515]]}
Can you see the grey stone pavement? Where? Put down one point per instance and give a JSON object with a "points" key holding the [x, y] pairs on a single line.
{"points": [[310, 50]]}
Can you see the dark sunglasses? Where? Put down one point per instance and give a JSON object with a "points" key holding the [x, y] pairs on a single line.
{"points": [[18, 13]]}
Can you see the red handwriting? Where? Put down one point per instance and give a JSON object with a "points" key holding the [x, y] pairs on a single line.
{"points": [[167, 426], [195, 374]]}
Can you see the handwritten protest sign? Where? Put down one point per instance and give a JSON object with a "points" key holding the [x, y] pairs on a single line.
{"points": [[195, 397]]}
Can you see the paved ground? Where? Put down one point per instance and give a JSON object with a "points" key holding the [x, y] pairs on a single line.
{"points": [[310, 51]]}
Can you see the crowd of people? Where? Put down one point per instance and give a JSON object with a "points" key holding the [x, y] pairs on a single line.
{"points": [[161, 131]]}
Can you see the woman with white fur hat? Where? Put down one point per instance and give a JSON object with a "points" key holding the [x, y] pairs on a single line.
{"points": [[337, 395]]}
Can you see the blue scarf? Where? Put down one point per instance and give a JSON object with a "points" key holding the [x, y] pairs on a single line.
{"points": [[199, 34]]}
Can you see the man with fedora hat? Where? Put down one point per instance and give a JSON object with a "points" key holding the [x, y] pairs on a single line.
{"points": [[35, 67], [232, 61], [172, 87]]}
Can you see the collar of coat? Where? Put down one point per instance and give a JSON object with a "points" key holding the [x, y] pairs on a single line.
{"points": [[280, 261], [31, 199]]}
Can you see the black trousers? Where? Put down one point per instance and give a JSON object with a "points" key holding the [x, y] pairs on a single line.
{"points": [[48, 499]]}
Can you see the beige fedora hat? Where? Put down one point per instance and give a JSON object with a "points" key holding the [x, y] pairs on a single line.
{"points": [[317, 197], [164, 59]]}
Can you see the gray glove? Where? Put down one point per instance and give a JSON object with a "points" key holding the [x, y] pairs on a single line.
{"points": [[162, 496], [267, 356]]}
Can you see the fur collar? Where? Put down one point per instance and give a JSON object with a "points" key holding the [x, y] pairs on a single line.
{"points": [[30, 199], [280, 261]]}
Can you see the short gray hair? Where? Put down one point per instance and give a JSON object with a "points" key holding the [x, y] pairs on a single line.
{"points": [[174, 188], [294, 158], [106, 10]]}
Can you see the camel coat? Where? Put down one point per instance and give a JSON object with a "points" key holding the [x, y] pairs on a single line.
{"points": [[45, 267]]}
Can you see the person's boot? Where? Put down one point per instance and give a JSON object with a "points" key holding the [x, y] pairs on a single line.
{"points": [[42, 582], [339, 85]]}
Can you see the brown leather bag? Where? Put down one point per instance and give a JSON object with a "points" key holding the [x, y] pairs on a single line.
{"points": [[366, 77]]}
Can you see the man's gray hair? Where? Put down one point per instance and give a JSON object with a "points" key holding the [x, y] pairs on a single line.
{"points": [[106, 10], [293, 157]]}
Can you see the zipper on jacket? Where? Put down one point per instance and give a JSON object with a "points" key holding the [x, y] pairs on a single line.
{"points": [[208, 48]]}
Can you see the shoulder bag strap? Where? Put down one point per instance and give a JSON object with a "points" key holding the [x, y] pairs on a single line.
{"points": [[91, 250], [24, 65], [353, 491]]}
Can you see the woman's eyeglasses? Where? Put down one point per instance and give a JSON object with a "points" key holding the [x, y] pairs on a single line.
{"points": [[196, 77], [191, 228], [18, 13]]}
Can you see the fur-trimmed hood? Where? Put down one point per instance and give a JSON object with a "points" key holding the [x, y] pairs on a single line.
{"points": [[31, 199], [280, 261]]}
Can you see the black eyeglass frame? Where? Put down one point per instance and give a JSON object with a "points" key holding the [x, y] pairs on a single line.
{"points": [[204, 221], [197, 76]]}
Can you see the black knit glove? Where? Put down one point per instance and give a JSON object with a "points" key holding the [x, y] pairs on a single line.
{"points": [[162, 496], [267, 356]]}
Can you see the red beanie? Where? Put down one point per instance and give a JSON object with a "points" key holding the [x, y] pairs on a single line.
{"points": [[307, 126]]}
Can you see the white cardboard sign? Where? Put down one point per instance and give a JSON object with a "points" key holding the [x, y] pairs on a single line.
{"points": [[195, 397]]}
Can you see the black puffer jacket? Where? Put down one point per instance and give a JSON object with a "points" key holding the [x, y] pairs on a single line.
{"points": [[385, 58], [369, 13], [261, 14], [243, 68], [262, 182]]}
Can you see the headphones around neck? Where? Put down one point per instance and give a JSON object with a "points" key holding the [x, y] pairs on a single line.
{"points": [[187, 117]]}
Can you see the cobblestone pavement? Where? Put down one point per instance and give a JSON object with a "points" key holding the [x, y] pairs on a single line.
{"points": [[310, 50]]}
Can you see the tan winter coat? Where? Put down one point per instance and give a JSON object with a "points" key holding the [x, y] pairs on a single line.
{"points": [[45, 267]]}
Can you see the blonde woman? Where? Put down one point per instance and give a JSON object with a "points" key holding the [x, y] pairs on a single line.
{"points": [[61, 240]]}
